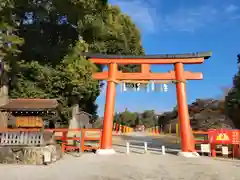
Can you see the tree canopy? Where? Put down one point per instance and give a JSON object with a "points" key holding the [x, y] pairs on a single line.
{"points": [[41, 42], [204, 114], [148, 118], [232, 100]]}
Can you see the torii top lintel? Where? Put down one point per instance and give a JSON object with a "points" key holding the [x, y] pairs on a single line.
{"points": [[189, 58]]}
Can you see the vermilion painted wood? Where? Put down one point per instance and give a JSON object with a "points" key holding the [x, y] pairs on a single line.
{"points": [[149, 76], [106, 142], [113, 76], [64, 137], [147, 61]]}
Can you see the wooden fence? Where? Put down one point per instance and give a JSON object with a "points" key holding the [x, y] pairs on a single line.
{"points": [[21, 138], [212, 142], [70, 139]]}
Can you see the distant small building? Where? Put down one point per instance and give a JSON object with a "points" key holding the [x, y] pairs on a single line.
{"points": [[84, 119], [29, 113], [140, 128]]}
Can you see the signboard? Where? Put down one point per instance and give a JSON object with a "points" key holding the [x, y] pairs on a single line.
{"points": [[220, 136], [47, 156], [235, 137], [205, 148], [224, 150], [29, 121]]}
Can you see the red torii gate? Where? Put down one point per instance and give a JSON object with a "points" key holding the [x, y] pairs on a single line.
{"points": [[113, 76]]}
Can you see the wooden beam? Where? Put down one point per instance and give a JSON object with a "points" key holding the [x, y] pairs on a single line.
{"points": [[145, 68], [148, 61], [146, 81], [149, 76]]}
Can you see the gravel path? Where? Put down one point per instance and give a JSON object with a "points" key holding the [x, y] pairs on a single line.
{"points": [[124, 167]]}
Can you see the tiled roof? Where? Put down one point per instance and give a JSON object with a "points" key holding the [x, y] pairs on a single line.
{"points": [[204, 55], [30, 104]]}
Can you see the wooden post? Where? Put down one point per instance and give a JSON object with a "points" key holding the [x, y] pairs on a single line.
{"points": [[177, 130], [82, 141], [236, 151], [213, 150], [106, 142], [64, 140], [117, 128], [185, 129], [145, 68]]}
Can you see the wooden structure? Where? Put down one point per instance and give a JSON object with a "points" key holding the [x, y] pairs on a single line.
{"points": [[28, 113], [84, 119], [178, 75]]}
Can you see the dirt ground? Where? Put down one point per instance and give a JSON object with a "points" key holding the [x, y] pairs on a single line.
{"points": [[124, 167]]}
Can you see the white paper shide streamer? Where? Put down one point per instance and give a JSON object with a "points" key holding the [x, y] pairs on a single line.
{"points": [[152, 86]]}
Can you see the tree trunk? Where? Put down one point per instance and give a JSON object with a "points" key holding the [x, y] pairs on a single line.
{"points": [[3, 101]]}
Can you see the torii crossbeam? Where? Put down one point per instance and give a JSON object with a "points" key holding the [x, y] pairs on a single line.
{"points": [[113, 76]]}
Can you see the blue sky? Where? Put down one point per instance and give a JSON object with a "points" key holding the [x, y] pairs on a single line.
{"points": [[182, 26]]}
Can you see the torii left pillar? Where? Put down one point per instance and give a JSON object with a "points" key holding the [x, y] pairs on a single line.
{"points": [[106, 142]]}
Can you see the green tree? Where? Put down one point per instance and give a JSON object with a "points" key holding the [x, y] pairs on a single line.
{"points": [[9, 43], [55, 33], [128, 118], [70, 82], [232, 100], [8, 39], [149, 118]]}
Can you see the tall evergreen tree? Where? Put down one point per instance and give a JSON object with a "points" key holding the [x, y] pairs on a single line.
{"points": [[47, 64], [232, 100]]}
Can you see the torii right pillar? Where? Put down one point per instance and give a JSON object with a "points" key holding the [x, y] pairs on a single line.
{"points": [[187, 139]]}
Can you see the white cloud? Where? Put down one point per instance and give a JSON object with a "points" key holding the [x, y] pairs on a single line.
{"points": [[189, 19], [142, 13], [150, 19], [231, 8]]}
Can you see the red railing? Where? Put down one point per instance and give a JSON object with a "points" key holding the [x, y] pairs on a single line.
{"points": [[64, 135], [118, 129], [81, 137]]}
